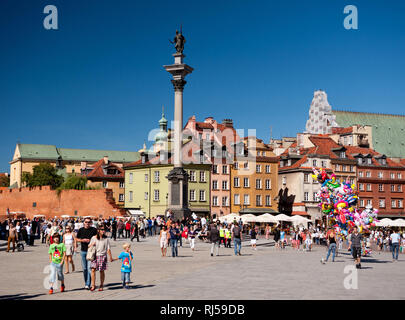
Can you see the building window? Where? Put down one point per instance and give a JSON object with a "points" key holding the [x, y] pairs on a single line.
{"points": [[268, 184], [236, 182], [343, 154], [393, 204], [314, 196], [314, 163], [236, 199], [359, 161], [381, 203], [192, 176], [289, 162], [343, 167], [369, 161], [392, 175], [399, 175], [202, 176], [246, 182], [306, 196], [121, 197], [236, 166], [323, 164], [361, 174], [306, 175], [192, 195], [225, 185], [202, 195], [400, 204], [380, 174], [368, 202], [246, 199], [368, 174], [215, 201], [146, 177], [361, 186], [351, 168], [268, 168], [381, 187], [224, 201], [246, 165], [284, 180], [157, 176], [268, 201], [224, 169], [122, 185], [105, 184], [258, 200], [258, 183], [146, 195], [337, 167], [156, 195], [392, 188], [361, 203], [351, 180], [399, 188], [214, 168], [368, 187], [131, 196], [131, 178], [258, 168], [215, 184]]}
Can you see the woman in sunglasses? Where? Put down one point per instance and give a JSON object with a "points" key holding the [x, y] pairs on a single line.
{"points": [[102, 244], [69, 240]]}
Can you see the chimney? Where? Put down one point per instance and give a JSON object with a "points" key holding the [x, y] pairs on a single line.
{"points": [[228, 123], [83, 165], [105, 159]]}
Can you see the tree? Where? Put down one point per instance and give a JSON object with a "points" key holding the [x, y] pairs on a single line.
{"points": [[75, 182], [4, 181], [43, 174]]}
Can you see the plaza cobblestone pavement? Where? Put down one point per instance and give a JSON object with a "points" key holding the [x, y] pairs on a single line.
{"points": [[267, 273]]}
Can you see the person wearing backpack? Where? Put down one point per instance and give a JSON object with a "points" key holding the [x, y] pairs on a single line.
{"points": [[236, 237]]}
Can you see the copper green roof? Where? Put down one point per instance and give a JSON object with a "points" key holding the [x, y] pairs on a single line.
{"points": [[50, 152], [38, 151], [96, 155], [388, 130]]}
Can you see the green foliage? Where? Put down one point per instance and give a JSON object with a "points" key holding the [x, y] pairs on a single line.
{"points": [[4, 181], [75, 182], [43, 174]]}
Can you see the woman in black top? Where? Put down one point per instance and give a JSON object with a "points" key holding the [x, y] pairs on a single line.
{"points": [[332, 246]]}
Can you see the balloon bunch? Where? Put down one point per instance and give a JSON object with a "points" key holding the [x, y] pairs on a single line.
{"points": [[338, 200]]}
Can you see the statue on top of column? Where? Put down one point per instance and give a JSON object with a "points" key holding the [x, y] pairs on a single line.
{"points": [[179, 41]]}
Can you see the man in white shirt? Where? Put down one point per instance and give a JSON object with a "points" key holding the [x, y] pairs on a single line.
{"points": [[203, 222], [395, 238]]}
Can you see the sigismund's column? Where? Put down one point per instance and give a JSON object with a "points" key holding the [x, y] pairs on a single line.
{"points": [[178, 177]]}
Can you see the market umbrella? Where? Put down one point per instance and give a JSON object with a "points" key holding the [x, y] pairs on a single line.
{"points": [[65, 216], [399, 223], [39, 215], [386, 222], [282, 217], [248, 218], [229, 217], [266, 218], [296, 220]]}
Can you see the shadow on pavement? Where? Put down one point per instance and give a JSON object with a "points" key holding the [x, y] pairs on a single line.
{"points": [[20, 296], [131, 287], [366, 260]]}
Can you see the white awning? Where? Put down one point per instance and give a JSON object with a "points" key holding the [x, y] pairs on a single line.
{"points": [[136, 212]]}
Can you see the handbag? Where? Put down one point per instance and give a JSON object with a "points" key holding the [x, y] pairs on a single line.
{"points": [[91, 253]]}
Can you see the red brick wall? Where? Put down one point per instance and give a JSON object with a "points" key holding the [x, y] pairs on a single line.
{"points": [[86, 202]]}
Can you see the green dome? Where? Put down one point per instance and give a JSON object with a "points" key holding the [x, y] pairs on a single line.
{"points": [[161, 136]]}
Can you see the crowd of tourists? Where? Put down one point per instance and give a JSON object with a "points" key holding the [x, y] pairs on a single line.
{"points": [[91, 240]]}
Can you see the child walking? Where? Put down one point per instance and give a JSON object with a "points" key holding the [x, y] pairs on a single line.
{"points": [[126, 257], [57, 253]]}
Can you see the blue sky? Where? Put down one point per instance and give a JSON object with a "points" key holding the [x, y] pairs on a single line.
{"points": [[98, 81]]}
